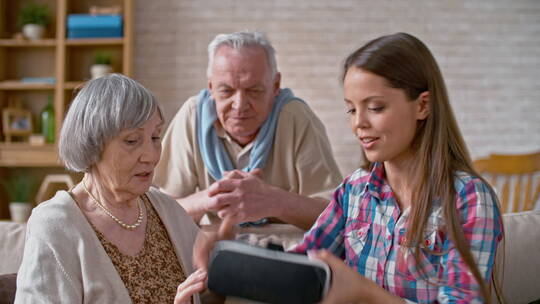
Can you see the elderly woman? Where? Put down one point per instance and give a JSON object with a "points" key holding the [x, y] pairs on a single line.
{"points": [[112, 238]]}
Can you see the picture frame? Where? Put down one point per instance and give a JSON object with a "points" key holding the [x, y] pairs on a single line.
{"points": [[16, 122]]}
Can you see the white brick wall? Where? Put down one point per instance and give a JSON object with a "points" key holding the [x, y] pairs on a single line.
{"points": [[488, 50]]}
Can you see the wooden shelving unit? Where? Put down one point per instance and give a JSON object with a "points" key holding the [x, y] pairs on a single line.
{"points": [[66, 60]]}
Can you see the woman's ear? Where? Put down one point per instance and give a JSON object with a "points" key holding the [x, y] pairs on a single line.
{"points": [[424, 105]]}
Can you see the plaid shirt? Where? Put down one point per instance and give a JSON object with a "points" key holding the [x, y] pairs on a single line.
{"points": [[364, 225]]}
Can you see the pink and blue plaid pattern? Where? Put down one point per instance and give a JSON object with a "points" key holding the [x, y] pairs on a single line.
{"points": [[364, 225]]}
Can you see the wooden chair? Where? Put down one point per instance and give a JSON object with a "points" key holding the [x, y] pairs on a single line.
{"points": [[52, 183], [507, 170]]}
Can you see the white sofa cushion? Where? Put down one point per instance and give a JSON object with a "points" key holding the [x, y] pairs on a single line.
{"points": [[12, 237], [521, 258]]}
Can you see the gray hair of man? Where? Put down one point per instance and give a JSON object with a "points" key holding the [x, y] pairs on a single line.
{"points": [[240, 40], [101, 110]]}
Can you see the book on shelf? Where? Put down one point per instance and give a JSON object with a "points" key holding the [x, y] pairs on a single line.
{"points": [[47, 80], [95, 33]]}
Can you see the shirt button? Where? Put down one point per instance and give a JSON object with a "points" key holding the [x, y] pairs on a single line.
{"points": [[428, 242]]}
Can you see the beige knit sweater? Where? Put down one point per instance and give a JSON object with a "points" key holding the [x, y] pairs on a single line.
{"points": [[64, 262]]}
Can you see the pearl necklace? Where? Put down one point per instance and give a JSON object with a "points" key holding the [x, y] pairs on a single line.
{"points": [[120, 222]]}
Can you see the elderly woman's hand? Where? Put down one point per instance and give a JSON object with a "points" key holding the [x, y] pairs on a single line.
{"points": [[195, 283]]}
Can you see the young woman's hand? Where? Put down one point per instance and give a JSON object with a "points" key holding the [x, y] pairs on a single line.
{"points": [[348, 286], [207, 238], [195, 283], [345, 280]]}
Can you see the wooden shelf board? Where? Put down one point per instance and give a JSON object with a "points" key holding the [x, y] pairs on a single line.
{"points": [[94, 41], [70, 85], [18, 85], [25, 155], [27, 43]]}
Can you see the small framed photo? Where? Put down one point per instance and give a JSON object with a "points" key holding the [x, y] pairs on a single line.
{"points": [[16, 122]]}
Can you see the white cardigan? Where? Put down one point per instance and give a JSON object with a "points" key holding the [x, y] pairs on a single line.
{"points": [[64, 261]]}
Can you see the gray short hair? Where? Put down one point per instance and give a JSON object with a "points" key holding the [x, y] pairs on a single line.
{"points": [[101, 110], [240, 40]]}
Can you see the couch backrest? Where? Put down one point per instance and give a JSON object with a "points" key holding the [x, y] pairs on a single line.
{"points": [[519, 266], [521, 254], [11, 251]]}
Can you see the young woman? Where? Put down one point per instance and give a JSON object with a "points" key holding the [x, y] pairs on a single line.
{"points": [[417, 222]]}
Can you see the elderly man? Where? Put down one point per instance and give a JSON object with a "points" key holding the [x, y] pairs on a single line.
{"points": [[244, 147]]}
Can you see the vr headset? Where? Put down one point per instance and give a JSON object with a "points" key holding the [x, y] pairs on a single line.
{"points": [[269, 276]]}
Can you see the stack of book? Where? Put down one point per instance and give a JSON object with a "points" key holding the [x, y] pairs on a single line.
{"points": [[48, 80], [90, 26]]}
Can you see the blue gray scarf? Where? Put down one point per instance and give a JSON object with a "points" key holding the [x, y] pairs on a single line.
{"points": [[213, 152]]}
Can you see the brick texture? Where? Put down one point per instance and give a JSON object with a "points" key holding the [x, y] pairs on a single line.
{"points": [[488, 51]]}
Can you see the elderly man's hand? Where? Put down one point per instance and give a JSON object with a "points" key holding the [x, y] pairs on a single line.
{"points": [[245, 197], [212, 198], [209, 200]]}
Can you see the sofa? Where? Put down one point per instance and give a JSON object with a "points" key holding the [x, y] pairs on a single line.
{"points": [[11, 250], [518, 265]]}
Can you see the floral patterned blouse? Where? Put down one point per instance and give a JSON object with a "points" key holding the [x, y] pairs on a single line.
{"points": [[153, 275]]}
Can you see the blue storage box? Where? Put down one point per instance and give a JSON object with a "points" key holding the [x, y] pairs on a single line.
{"points": [[89, 26]]}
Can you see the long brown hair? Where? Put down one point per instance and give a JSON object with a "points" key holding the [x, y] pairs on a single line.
{"points": [[407, 64]]}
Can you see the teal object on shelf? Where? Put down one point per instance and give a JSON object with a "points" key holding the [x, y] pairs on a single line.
{"points": [[47, 121], [89, 26]]}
